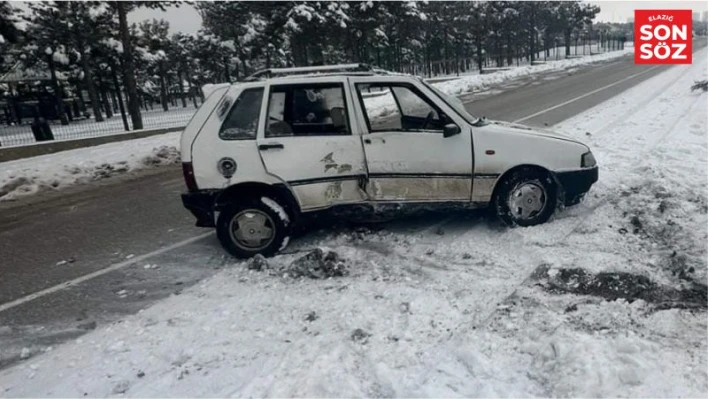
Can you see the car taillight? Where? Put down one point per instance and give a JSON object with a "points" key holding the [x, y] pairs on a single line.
{"points": [[189, 179]]}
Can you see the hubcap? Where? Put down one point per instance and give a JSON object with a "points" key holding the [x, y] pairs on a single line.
{"points": [[252, 229], [527, 200]]}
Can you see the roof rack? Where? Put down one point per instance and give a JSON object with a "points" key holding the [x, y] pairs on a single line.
{"points": [[326, 69]]}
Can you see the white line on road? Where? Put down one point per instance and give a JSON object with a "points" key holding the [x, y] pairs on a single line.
{"points": [[116, 266], [584, 95]]}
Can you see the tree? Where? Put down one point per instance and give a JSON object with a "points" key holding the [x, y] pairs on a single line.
{"points": [[572, 15], [8, 17], [121, 9], [75, 25]]}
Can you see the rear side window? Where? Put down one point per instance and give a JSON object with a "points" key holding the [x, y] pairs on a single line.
{"points": [[307, 110], [242, 121]]}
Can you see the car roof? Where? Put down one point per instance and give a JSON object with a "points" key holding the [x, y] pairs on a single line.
{"points": [[319, 72]]}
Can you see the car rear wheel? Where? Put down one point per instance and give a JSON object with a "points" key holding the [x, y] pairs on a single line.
{"points": [[253, 227], [527, 197]]}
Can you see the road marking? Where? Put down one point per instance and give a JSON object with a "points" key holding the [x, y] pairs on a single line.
{"points": [[97, 273], [584, 95]]}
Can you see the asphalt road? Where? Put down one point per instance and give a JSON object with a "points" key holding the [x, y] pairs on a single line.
{"points": [[51, 239]]}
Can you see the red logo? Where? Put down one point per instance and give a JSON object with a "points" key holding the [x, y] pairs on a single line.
{"points": [[662, 37]]}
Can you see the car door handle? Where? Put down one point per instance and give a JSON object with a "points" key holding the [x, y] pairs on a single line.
{"points": [[270, 146], [368, 141]]}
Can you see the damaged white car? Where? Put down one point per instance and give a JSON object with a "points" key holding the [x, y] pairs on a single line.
{"points": [[260, 154]]}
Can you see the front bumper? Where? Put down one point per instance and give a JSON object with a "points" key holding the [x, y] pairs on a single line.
{"points": [[576, 184], [201, 204]]}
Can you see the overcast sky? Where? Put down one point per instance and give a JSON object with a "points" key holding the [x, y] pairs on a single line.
{"points": [[186, 19]]}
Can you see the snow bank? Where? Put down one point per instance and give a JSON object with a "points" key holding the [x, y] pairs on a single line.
{"points": [[457, 308], [54, 171]]}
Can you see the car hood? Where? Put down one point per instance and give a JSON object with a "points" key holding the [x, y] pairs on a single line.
{"points": [[533, 131]]}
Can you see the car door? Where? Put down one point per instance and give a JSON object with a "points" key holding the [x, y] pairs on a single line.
{"points": [[308, 142], [408, 158]]}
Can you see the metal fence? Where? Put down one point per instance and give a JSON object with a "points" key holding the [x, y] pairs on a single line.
{"points": [[26, 123]]}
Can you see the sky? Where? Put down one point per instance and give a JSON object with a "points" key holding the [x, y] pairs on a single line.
{"points": [[187, 20]]}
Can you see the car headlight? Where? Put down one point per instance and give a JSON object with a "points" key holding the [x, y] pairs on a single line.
{"points": [[587, 160]]}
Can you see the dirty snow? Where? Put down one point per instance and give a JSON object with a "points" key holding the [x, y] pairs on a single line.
{"points": [[460, 307], [54, 171]]}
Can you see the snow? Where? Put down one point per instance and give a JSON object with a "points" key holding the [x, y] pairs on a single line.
{"points": [[455, 308], [54, 171], [277, 209]]}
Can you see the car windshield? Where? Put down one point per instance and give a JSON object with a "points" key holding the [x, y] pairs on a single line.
{"points": [[452, 101]]}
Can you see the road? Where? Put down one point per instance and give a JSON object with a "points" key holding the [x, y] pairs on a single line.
{"points": [[115, 232]]}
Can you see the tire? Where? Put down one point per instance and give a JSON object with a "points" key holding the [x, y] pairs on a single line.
{"points": [[527, 197], [242, 227]]}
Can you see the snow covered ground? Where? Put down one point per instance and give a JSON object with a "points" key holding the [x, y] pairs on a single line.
{"points": [[606, 300], [55, 171]]}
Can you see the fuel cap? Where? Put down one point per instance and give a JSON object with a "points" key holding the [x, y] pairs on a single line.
{"points": [[226, 166]]}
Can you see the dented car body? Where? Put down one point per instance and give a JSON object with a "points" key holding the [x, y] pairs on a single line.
{"points": [[319, 138]]}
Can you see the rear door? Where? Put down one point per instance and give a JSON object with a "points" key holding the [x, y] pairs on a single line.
{"points": [[308, 142], [408, 158]]}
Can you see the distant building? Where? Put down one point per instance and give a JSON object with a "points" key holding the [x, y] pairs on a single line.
{"points": [[697, 16], [705, 16]]}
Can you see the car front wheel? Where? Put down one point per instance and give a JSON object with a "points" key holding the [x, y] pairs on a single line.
{"points": [[257, 226], [527, 197]]}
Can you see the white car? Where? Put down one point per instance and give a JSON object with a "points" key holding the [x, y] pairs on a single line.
{"points": [[259, 154]]}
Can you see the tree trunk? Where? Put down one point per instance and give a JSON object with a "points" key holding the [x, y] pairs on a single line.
{"points": [[191, 92], [478, 43], [181, 89], [57, 92], [116, 87], [128, 67], [226, 70], [90, 87], [566, 36], [106, 104], [163, 91]]}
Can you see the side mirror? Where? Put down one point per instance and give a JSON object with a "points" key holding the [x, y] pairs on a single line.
{"points": [[450, 130]]}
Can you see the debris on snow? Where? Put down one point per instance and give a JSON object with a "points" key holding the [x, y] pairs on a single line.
{"points": [[25, 353], [318, 264], [311, 316], [700, 85], [360, 336], [121, 387], [258, 262]]}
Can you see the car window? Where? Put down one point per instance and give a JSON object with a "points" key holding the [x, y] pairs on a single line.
{"points": [[398, 107], [381, 109], [307, 110], [242, 121]]}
